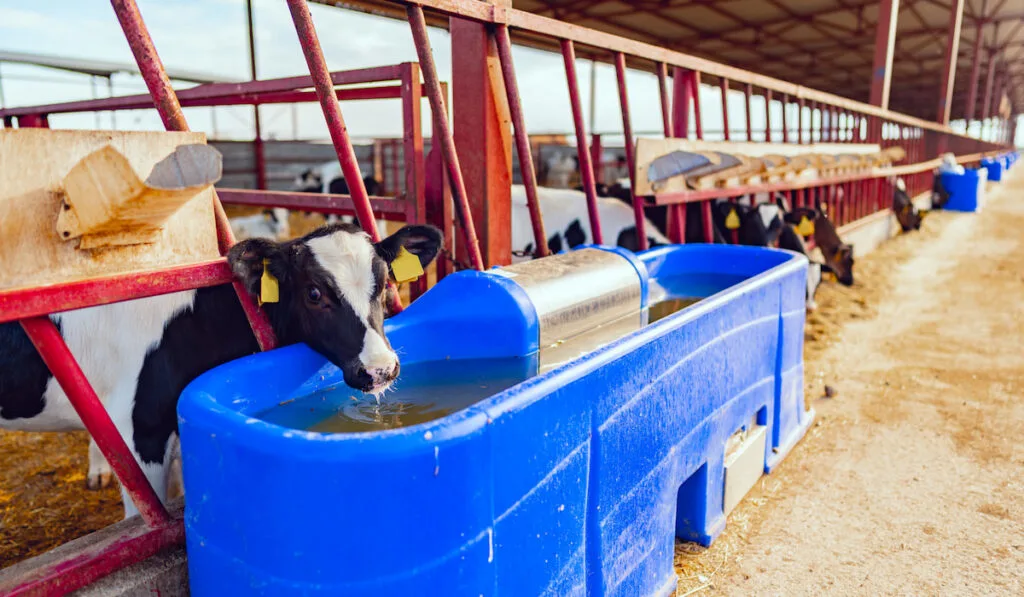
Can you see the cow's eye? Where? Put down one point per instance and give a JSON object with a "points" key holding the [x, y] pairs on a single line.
{"points": [[313, 294]]}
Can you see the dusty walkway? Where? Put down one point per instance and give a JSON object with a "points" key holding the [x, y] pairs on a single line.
{"points": [[912, 481]]}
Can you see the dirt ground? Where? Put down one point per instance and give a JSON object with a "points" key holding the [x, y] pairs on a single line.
{"points": [[911, 481]]}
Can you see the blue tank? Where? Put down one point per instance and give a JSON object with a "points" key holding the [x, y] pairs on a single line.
{"points": [[571, 474]]}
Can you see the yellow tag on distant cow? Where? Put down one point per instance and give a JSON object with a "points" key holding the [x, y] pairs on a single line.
{"points": [[805, 227], [732, 221], [268, 285], [406, 266]]}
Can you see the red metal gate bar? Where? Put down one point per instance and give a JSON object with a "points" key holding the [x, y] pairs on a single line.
{"points": [[666, 110], [747, 90], [723, 83], [336, 125], [586, 166], [627, 130], [442, 129], [167, 106], [58, 358], [785, 125], [800, 120], [680, 129], [705, 207], [508, 73], [768, 115]]}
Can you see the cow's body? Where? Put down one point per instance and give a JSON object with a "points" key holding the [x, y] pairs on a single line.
{"points": [[567, 224], [139, 355]]}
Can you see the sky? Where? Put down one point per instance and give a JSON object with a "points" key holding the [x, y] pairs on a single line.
{"points": [[210, 36]]}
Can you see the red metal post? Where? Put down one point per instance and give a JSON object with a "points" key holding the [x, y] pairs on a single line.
{"points": [[683, 95], [508, 72], [748, 89], [885, 42], [800, 120], [698, 124], [785, 125], [586, 166], [324, 87], [443, 133], [627, 131], [413, 158], [723, 84], [482, 137], [666, 110], [597, 157], [166, 103], [956, 11], [680, 129], [986, 103], [150, 66], [332, 113], [58, 358], [768, 115]]}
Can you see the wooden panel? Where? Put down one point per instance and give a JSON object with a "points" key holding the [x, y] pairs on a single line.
{"points": [[33, 163]]}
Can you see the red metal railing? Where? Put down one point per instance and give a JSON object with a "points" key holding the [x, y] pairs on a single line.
{"points": [[862, 123]]}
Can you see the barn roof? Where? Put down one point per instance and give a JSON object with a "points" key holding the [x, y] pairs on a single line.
{"points": [[821, 44]]}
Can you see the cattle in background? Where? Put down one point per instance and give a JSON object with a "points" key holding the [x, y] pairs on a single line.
{"points": [[907, 214], [139, 355], [567, 224], [270, 224]]}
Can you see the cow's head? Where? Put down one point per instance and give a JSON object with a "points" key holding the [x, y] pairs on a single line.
{"points": [[840, 263], [332, 293]]}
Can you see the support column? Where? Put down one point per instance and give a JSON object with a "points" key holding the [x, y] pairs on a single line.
{"points": [[956, 14], [885, 42], [986, 103], [261, 160], [972, 83], [483, 137]]}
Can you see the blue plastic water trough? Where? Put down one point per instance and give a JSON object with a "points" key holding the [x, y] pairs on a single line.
{"points": [[967, 190], [995, 167], [574, 481]]}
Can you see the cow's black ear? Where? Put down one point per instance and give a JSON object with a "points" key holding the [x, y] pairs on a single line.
{"points": [[422, 241], [246, 261]]}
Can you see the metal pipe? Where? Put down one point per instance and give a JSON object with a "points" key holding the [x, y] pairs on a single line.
{"points": [[150, 66], [885, 43], [166, 102], [443, 131], [582, 152], [747, 90], [800, 120], [321, 75], [58, 358], [666, 107], [627, 130], [723, 84], [956, 10], [508, 72], [768, 115], [698, 125], [785, 125]]}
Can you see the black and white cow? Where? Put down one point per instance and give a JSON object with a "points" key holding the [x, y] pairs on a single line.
{"points": [[567, 224], [140, 354]]}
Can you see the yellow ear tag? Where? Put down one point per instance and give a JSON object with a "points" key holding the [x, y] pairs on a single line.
{"points": [[805, 227], [829, 276], [268, 285], [406, 266], [732, 221]]}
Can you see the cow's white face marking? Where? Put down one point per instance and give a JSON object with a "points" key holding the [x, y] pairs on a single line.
{"points": [[768, 212], [349, 258]]}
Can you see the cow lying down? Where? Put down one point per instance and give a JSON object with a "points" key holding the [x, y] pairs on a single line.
{"points": [[139, 355]]}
